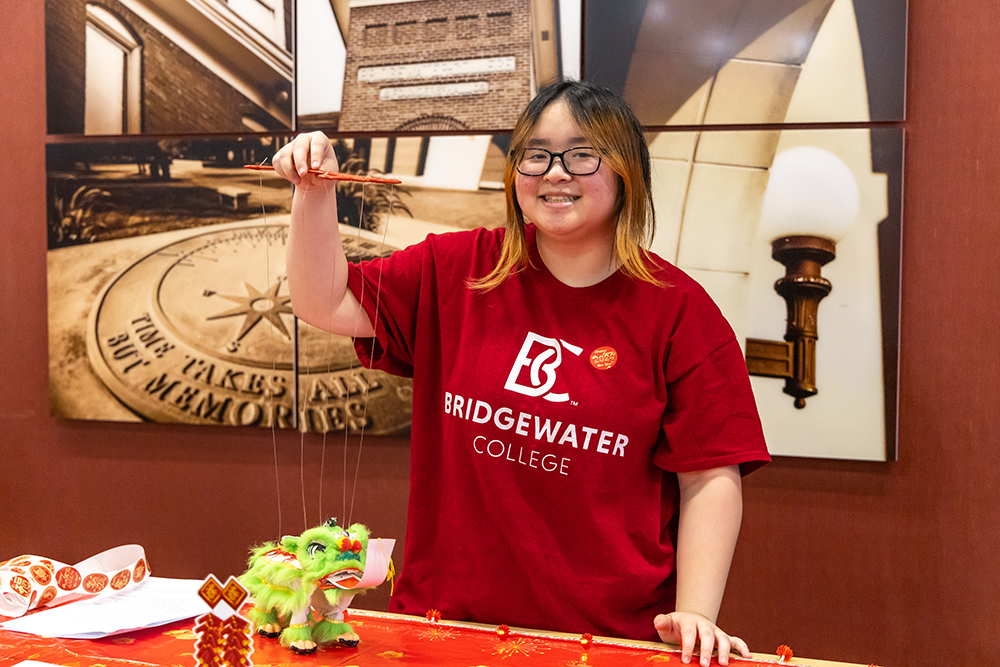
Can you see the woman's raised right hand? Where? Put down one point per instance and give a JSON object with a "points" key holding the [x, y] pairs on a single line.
{"points": [[312, 150]]}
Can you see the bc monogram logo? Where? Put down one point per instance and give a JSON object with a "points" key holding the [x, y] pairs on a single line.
{"points": [[542, 364]]}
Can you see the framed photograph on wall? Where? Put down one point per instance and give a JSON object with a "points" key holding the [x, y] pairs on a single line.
{"points": [[164, 249], [121, 67], [710, 189], [168, 297], [430, 66], [738, 63]]}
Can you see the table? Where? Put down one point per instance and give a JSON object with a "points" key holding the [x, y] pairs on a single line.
{"points": [[387, 640]]}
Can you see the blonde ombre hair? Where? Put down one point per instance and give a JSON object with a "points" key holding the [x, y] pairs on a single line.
{"points": [[612, 129]]}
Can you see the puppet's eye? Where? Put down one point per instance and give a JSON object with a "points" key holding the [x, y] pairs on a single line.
{"points": [[315, 548]]}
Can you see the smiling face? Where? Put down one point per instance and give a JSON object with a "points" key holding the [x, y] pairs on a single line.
{"points": [[566, 208]]}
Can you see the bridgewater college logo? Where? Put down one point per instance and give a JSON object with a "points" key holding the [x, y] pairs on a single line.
{"points": [[541, 356]]}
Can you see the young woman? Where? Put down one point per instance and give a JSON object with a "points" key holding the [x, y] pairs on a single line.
{"points": [[581, 412]]}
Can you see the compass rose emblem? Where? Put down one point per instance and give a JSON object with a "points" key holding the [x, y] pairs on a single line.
{"points": [[201, 331], [254, 307]]}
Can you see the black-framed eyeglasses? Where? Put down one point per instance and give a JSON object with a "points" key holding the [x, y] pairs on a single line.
{"points": [[578, 161]]}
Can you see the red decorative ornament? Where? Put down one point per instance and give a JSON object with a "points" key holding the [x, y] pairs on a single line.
{"points": [[503, 631], [587, 640], [784, 653], [433, 615]]}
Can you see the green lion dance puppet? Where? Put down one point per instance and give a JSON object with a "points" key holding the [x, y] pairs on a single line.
{"points": [[317, 571]]}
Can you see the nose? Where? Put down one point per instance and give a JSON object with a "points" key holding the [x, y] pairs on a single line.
{"points": [[557, 175], [347, 544]]}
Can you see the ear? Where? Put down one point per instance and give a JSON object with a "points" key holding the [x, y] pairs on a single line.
{"points": [[360, 532], [290, 543]]}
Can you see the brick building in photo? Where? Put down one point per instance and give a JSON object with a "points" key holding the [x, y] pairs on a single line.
{"points": [[157, 67], [440, 65]]}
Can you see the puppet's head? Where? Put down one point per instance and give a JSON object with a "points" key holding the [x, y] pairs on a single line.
{"points": [[332, 556]]}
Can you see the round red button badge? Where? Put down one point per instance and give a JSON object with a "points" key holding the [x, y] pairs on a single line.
{"points": [[603, 358]]}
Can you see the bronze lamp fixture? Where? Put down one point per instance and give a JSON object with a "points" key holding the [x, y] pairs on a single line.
{"points": [[810, 202]]}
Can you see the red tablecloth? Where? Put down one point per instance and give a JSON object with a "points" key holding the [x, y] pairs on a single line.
{"points": [[386, 640]]}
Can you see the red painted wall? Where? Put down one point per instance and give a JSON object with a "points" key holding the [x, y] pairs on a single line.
{"points": [[894, 564]]}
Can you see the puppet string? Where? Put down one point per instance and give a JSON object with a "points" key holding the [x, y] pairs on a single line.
{"points": [[302, 433], [329, 370], [302, 426], [350, 369], [347, 423], [274, 440], [274, 361], [302, 468], [378, 298]]}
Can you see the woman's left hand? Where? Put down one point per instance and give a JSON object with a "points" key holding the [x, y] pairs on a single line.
{"points": [[689, 629]]}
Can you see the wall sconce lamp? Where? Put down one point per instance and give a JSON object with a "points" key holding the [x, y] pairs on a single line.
{"points": [[810, 202]]}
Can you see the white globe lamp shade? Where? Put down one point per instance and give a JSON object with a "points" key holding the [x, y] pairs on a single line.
{"points": [[810, 192]]}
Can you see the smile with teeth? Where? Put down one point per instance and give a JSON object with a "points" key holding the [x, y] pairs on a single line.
{"points": [[559, 199]]}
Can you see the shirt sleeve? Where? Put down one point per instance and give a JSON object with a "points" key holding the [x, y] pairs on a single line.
{"points": [[388, 289], [402, 293], [711, 418]]}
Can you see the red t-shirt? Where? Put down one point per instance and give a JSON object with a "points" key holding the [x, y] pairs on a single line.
{"points": [[548, 423]]}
